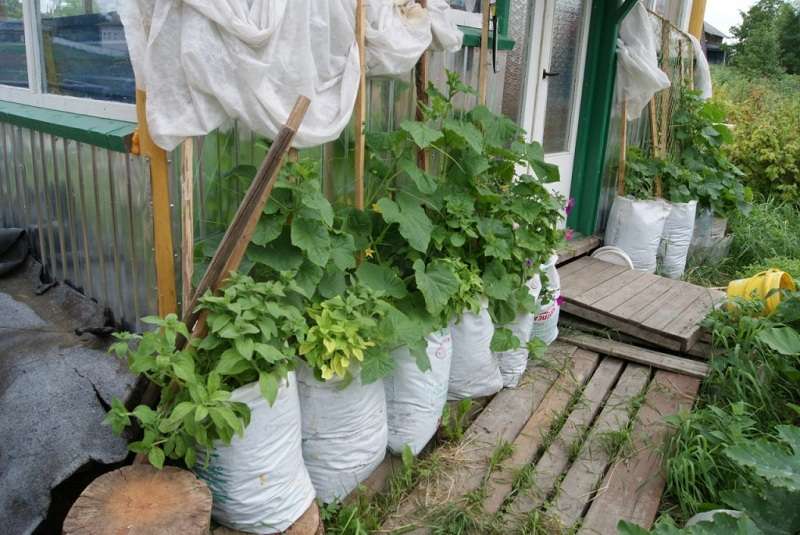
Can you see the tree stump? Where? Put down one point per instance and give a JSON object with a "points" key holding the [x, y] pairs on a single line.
{"points": [[142, 500]]}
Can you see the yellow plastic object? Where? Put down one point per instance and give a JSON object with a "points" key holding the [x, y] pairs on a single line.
{"points": [[759, 286]]}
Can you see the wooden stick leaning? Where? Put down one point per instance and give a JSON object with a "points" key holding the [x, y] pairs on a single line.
{"points": [[483, 57], [231, 249], [361, 107], [187, 222], [623, 151], [421, 80]]}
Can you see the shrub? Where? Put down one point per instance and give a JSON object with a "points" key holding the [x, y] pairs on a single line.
{"points": [[789, 265]]}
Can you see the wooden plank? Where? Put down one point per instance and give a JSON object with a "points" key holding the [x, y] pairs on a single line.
{"points": [[584, 280], [671, 305], [639, 355], [361, 107], [623, 326], [501, 421], [610, 287], [625, 294], [581, 263], [483, 54], [555, 460], [187, 222], [500, 484], [579, 247], [630, 307], [587, 471], [687, 323], [632, 488]]}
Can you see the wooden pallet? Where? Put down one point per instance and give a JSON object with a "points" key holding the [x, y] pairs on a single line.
{"points": [[662, 311], [562, 423]]}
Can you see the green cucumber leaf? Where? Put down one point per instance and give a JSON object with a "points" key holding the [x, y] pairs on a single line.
{"points": [[313, 239], [381, 279]]}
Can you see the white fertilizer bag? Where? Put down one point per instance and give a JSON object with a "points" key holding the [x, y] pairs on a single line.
{"points": [[344, 432], [259, 483], [514, 363], [474, 372], [677, 239], [415, 399], [636, 227], [545, 322]]}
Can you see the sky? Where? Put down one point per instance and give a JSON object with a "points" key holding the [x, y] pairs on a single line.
{"points": [[726, 13]]}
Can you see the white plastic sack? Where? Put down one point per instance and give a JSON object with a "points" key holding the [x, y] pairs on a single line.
{"points": [[204, 61], [677, 238], [545, 322], [446, 35], [415, 399], [702, 72], [474, 372], [344, 432], [639, 76], [514, 363], [259, 483], [636, 227]]}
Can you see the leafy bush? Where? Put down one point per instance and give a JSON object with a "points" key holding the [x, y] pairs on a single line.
{"points": [[788, 265]]}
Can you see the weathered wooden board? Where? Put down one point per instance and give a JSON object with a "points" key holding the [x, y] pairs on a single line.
{"points": [[556, 458], [572, 286], [500, 484], [577, 248], [587, 471], [632, 488], [639, 355]]}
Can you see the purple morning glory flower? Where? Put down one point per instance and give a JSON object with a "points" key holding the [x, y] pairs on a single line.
{"points": [[570, 205], [569, 234], [559, 300]]}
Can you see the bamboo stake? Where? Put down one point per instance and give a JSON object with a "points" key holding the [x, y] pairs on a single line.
{"points": [[162, 225], [623, 151], [483, 58], [422, 96], [187, 219], [361, 106], [237, 237]]}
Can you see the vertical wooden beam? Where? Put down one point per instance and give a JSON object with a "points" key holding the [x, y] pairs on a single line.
{"points": [[162, 227], [361, 106], [483, 56], [421, 80], [623, 150], [187, 222], [697, 18]]}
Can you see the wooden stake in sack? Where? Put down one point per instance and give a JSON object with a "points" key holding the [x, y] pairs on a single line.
{"points": [[623, 151], [187, 222], [421, 80], [361, 106], [483, 57]]}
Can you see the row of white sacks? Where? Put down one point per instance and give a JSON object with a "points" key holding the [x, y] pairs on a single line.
{"points": [[653, 233], [323, 439]]}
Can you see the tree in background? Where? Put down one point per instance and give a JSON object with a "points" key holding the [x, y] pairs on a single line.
{"points": [[768, 39]]}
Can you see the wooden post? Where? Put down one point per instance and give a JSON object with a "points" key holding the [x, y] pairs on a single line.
{"points": [[162, 227], [697, 18], [623, 150], [187, 222], [483, 55], [421, 80], [141, 499], [361, 106]]}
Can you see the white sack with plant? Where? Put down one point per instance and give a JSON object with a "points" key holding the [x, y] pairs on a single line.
{"points": [[202, 62], [416, 393], [514, 362], [474, 372], [259, 482], [545, 322], [676, 239], [636, 227]]}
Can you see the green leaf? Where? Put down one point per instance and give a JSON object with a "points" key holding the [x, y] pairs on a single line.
{"points": [[377, 365], [381, 279], [269, 387], [317, 202], [269, 353], [268, 229], [244, 346], [437, 282], [190, 458], [145, 414], [773, 510], [504, 340], [200, 413], [422, 134], [467, 132], [231, 363], [425, 183], [343, 251], [497, 283], [307, 278], [156, 457], [784, 340], [313, 239], [279, 255], [407, 212], [770, 460], [332, 284]]}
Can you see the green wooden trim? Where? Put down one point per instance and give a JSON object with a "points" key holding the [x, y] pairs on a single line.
{"points": [[472, 37], [104, 133], [624, 9], [595, 113]]}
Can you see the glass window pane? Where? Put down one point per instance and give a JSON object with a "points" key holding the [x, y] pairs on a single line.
{"points": [[564, 60], [13, 66], [84, 50]]}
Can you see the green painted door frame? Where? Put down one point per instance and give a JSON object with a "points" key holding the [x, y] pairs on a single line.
{"points": [[595, 111]]}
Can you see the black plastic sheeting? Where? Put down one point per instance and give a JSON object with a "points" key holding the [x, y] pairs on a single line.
{"points": [[55, 388], [13, 249]]}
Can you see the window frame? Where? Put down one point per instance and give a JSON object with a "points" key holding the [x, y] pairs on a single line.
{"points": [[35, 95]]}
